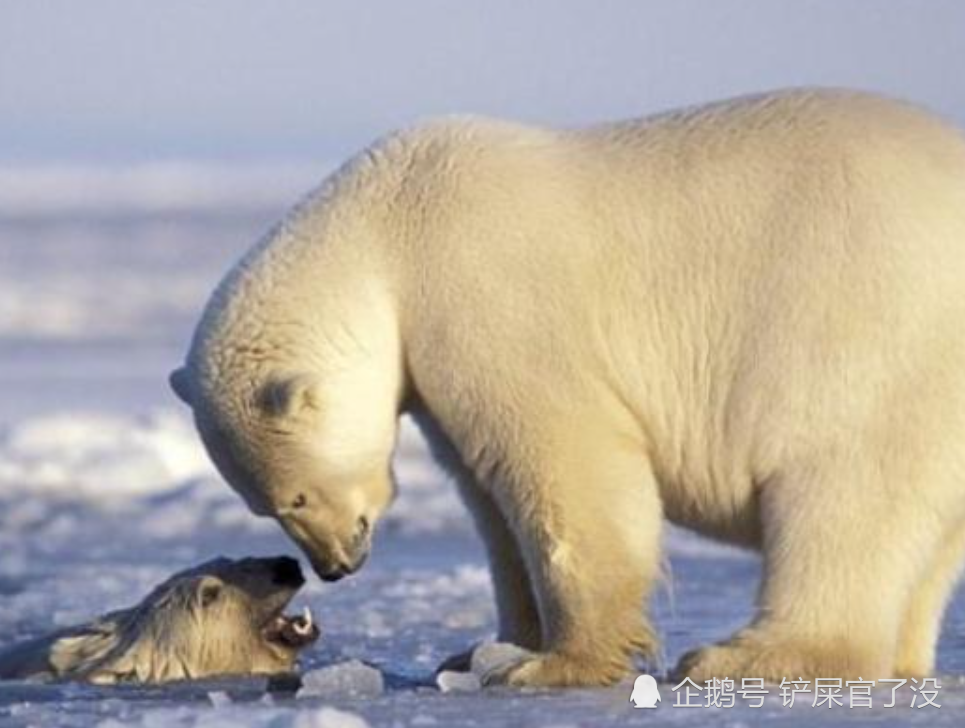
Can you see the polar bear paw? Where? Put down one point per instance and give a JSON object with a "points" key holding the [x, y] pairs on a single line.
{"points": [[555, 670], [721, 662], [774, 661]]}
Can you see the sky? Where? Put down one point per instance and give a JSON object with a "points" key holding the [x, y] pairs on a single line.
{"points": [[122, 80]]}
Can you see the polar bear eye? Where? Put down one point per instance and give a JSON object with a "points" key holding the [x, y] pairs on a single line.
{"points": [[300, 501]]}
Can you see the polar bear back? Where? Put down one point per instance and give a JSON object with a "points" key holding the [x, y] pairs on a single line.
{"points": [[744, 279]]}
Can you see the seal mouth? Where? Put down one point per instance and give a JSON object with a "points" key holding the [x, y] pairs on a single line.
{"points": [[292, 631]]}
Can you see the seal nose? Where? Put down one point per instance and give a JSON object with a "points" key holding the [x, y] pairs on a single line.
{"points": [[287, 572]]}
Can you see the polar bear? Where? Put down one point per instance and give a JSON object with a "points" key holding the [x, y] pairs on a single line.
{"points": [[223, 617], [747, 317]]}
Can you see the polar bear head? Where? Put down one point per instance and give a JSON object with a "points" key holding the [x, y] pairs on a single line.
{"points": [[224, 617], [295, 451]]}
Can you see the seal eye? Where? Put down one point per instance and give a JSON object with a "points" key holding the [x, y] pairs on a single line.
{"points": [[300, 501]]}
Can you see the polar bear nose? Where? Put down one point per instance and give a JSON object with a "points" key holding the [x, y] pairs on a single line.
{"points": [[331, 573], [287, 572], [341, 569]]}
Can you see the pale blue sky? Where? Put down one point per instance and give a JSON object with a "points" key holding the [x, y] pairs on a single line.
{"points": [[243, 79]]}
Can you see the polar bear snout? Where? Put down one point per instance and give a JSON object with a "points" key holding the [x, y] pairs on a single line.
{"points": [[353, 560], [357, 551], [342, 558], [330, 574]]}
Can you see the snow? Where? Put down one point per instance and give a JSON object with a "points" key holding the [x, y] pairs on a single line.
{"points": [[160, 187], [233, 716], [329, 718], [95, 454], [105, 491]]}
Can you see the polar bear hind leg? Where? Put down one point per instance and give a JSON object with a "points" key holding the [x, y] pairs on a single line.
{"points": [[841, 559], [922, 623]]}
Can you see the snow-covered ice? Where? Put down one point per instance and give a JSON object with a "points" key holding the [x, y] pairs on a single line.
{"points": [[329, 718], [345, 679], [105, 491]]}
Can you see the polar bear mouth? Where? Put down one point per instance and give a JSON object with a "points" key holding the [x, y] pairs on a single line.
{"points": [[292, 631]]}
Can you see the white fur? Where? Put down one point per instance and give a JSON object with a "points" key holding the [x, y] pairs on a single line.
{"points": [[175, 633], [746, 317]]}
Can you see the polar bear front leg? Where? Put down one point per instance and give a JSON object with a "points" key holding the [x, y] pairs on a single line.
{"points": [[515, 604], [589, 526]]}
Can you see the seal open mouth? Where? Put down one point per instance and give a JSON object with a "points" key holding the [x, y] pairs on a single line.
{"points": [[292, 631]]}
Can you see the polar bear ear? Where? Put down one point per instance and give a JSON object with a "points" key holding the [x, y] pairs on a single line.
{"points": [[180, 381], [289, 395]]}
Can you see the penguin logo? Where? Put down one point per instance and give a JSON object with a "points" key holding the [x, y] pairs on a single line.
{"points": [[645, 693]]}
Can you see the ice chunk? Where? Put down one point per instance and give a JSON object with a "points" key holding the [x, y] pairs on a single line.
{"points": [[329, 718], [353, 678], [219, 698], [485, 658], [491, 655], [458, 682]]}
